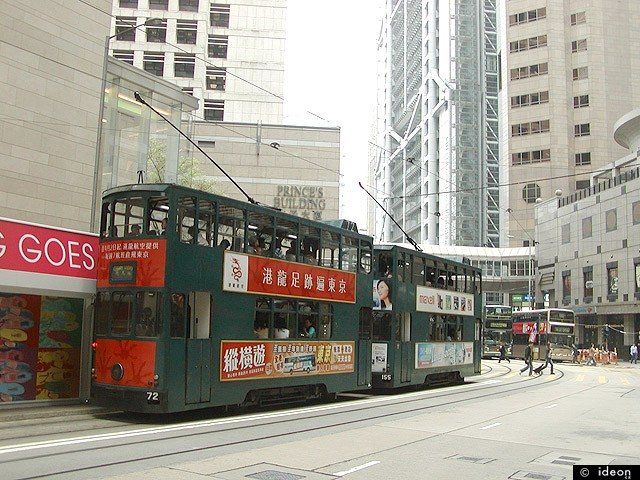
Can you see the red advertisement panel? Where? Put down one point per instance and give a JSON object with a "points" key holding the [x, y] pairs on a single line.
{"points": [[251, 360], [527, 328], [255, 274], [34, 248], [137, 359], [132, 262]]}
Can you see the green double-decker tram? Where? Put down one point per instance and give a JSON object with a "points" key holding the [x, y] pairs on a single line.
{"points": [[206, 301], [426, 319]]}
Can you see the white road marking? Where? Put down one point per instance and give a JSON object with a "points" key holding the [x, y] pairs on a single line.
{"points": [[552, 405], [355, 469], [490, 426]]}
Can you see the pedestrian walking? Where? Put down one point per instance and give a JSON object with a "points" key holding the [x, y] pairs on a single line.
{"points": [[574, 354], [503, 353], [634, 353], [528, 359], [547, 361]]}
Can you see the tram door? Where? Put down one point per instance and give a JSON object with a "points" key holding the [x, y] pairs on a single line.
{"points": [[364, 346], [405, 347], [198, 362]]}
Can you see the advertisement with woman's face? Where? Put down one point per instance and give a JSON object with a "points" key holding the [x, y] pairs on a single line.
{"points": [[382, 295]]}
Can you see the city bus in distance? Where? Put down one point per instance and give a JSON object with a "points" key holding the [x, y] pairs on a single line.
{"points": [[206, 301], [496, 329], [426, 319], [554, 325]]}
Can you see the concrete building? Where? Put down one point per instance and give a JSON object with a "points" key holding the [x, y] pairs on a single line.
{"points": [[588, 248], [569, 71], [436, 165]]}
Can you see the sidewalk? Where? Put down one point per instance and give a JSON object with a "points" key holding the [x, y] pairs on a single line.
{"points": [[17, 412]]}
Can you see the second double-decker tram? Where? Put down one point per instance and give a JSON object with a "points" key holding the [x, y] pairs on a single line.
{"points": [[496, 330], [205, 301], [426, 318], [550, 325]]}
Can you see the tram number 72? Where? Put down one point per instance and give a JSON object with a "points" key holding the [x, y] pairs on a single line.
{"points": [[153, 397]]}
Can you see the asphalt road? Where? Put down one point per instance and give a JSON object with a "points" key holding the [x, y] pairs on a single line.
{"points": [[499, 425]]}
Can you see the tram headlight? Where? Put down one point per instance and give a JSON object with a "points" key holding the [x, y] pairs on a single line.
{"points": [[117, 372]]}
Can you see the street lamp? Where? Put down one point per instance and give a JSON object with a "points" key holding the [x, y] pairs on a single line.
{"points": [[105, 60]]}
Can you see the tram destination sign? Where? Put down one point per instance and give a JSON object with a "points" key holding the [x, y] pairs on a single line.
{"points": [[433, 300], [255, 274]]}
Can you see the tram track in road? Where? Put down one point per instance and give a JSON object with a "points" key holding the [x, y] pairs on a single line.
{"points": [[271, 422]]}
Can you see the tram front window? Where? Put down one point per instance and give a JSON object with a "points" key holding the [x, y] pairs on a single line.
{"points": [[148, 316], [121, 309], [381, 326]]}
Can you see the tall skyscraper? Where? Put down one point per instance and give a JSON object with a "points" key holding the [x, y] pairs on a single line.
{"points": [[228, 54], [435, 168], [569, 72]]}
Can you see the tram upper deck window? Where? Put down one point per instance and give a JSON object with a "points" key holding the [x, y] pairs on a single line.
{"points": [[186, 220], [206, 222], [260, 234], [310, 245], [103, 305], [148, 314], [158, 208], [286, 236], [231, 227], [105, 220], [385, 265], [330, 249], [366, 257], [430, 272], [121, 312], [128, 217], [417, 270], [349, 254]]}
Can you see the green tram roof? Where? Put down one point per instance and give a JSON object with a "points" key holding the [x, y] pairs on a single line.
{"points": [[407, 248], [338, 225]]}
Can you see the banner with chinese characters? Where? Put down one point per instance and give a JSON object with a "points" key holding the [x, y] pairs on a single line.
{"points": [[443, 354], [255, 359], [254, 274], [132, 262], [443, 301]]}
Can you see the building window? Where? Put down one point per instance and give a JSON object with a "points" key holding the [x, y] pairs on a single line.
{"points": [[581, 130], [530, 192], [124, 55], [187, 90], [128, 3], [578, 18], [157, 34], [526, 17], [184, 65], [529, 71], [612, 279], [529, 128], [583, 158], [527, 44], [611, 220], [581, 101], [580, 73], [214, 110], [159, 4], [579, 45], [565, 233], [124, 29], [587, 227], [582, 184], [587, 282], [153, 63], [188, 5], [216, 78], [635, 212], [218, 45], [536, 98], [536, 156], [186, 31], [636, 276], [566, 285], [219, 15]]}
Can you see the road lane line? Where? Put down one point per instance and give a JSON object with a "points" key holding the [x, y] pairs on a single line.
{"points": [[490, 426], [355, 469]]}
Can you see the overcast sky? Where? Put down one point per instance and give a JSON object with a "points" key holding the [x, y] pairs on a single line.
{"points": [[330, 71]]}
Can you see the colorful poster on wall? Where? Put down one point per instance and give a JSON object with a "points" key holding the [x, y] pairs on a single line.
{"points": [[378, 357], [443, 354], [251, 360], [40, 341]]}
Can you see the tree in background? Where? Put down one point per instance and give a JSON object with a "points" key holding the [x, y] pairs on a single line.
{"points": [[189, 171]]}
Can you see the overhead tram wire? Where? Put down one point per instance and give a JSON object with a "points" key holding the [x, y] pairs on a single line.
{"points": [[409, 239]]}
